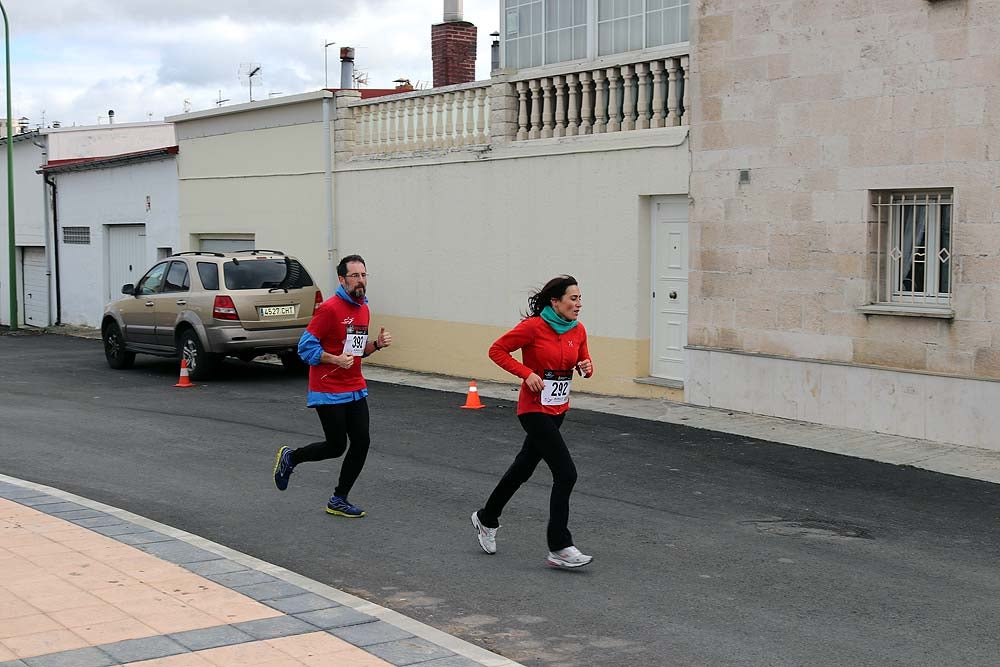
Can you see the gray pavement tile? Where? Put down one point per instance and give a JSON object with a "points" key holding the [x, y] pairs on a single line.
{"points": [[147, 537], [12, 663], [217, 566], [453, 661], [94, 522], [300, 603], [270, 591], [408, 651], [272, 628], [335, 617], [84, 657], [148, 648], [367, 634], [12, 492], [244, 578], [60, 507], [85, 513], [177, 552], [120, 529], [199, 640], [38, 501]]}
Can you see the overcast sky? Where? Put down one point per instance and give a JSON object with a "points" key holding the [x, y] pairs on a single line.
{"points": [[72, 60]]}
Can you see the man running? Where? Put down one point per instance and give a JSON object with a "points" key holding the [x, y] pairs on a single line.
{"points": [[333, 345]]}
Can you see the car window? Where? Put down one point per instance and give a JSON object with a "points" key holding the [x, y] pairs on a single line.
{"points": [[265, 274], [209, 274], [152, 282], [177, 278]]}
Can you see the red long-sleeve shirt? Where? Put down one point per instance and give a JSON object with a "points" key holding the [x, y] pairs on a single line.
{"points": [[542, 349]]}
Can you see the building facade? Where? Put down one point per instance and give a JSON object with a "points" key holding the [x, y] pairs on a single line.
{"points": [[846, 247]]}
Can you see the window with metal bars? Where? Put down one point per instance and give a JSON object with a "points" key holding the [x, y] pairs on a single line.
{"points": [[912, 243], [77, 235]]}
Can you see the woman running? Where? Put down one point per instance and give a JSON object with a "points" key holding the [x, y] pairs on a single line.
{"points": [[553, 344]]}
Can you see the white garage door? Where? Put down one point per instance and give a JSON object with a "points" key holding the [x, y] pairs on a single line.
{"points": [[36, 287]]}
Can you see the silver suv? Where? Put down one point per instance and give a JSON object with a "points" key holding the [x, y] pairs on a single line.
{"points": [[203, 306]]}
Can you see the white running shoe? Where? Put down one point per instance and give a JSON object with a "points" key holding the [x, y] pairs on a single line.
{"points": [[487, 536], [568, 557]]}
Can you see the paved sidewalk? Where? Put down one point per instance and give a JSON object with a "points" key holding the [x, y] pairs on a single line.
{"points": [[87, 585]]}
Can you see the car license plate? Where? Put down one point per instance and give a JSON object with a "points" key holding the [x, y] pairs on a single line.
{"points": [[276, 311]]}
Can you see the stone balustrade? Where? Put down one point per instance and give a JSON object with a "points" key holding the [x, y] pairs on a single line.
{"points": [[440, 118], [516, 106], [619, 98]]}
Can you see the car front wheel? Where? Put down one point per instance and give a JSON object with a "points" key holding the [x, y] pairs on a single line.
{"points": [[200, 364], [114, 348]]}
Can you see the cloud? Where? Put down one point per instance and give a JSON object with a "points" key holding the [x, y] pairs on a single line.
{"points": [[74, 60]]}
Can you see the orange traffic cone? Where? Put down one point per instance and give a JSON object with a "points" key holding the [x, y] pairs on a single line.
{"points": [[472, 399], [184, 381]]}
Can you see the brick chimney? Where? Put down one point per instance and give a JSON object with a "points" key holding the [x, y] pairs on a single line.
{"points": [[453, 47]]}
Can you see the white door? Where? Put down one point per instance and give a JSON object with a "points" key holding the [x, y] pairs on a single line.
{"points": [[36, 287], [126, 257], [670, 287]]}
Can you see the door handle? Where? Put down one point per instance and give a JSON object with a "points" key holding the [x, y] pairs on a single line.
{"points": [[150, 304], [673, 295], [181, 302]]}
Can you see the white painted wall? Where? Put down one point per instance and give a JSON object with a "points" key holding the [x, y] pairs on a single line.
{"points": [[29, 210], [103, 140], [100, 197]]}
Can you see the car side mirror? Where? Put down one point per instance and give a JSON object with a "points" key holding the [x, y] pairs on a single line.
{"points": [[128, 288]]}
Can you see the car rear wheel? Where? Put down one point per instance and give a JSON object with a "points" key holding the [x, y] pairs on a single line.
{"points": [[114, 348], [293, 362], [200, 364]]}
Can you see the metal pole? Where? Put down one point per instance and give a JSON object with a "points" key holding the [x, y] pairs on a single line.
{"points": [[326, 64], [12, 265]]}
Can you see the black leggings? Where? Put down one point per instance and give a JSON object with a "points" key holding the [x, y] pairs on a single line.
{"points": [[543, 442], [340, 422]]}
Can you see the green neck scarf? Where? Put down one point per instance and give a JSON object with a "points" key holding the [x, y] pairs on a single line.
{"points": [[560, 325]]}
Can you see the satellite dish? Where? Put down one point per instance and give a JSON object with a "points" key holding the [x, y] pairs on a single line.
{"points": [[250, 74]]}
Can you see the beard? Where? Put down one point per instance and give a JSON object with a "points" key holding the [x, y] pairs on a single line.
{"points": [[358, 293]]}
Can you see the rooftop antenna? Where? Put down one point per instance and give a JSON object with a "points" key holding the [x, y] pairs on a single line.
{"points": [[250, 74], [220, 101], [187, 105], [360, 78]]}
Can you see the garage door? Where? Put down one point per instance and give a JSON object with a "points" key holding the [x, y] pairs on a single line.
{"points": [[126, 257], [36, 287]]}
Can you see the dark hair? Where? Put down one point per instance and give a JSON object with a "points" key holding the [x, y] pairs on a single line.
{"points": [[554, 289], [342, 267]]}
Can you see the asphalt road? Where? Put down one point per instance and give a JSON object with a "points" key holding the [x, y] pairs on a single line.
{"points": [[709, 549]]}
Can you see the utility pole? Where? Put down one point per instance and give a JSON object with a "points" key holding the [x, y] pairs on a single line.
{"points": [[12, 265], [326, 64]]}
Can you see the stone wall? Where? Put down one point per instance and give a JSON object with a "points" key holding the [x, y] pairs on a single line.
{"points": [[823, 103]]}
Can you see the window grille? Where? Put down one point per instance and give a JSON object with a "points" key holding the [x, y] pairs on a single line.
{"points": [[77, 235], [912, 241]]}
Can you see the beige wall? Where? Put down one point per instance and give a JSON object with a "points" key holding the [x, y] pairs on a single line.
{"points": [[824, 102], [258, 169], [455, 248]]}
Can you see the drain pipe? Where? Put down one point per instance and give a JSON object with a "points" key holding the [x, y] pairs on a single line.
{"points": [[331, 233], [55, 248]]}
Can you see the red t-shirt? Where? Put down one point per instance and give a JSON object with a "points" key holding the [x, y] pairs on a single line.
{"points": [[330, 324], [549, 355]]}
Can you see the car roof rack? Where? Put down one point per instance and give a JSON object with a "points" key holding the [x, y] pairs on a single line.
{"points": [[198, 252], [258, 251]]}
